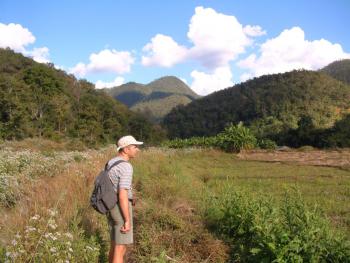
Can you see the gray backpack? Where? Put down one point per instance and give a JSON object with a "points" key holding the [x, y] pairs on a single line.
{"points": [[103, 197]]}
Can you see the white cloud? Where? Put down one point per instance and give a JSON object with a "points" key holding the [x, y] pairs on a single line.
{"points": [[59, 67], [204, 83], [105, 61], [163, 51], [245, 76], [253, 31], [79, 70], [117, 82], [15, 37], [40, 55], [184, 81], [290, 51], [217, 39]]}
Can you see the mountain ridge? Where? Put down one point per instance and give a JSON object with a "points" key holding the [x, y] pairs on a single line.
{"points": [[282, 99], [339, 70], [168, 91]]}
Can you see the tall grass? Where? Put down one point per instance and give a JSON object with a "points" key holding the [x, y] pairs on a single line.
{"points": [[22, 167], [168, 225], [29, 231]]}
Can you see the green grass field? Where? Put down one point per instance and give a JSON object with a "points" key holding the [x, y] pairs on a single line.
{"points": [[325, 186]]}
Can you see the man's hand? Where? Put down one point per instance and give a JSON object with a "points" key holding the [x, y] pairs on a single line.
{"points": [[126, 227]]}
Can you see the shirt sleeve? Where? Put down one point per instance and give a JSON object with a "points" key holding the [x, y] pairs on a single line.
{"points": [[125, 180]]}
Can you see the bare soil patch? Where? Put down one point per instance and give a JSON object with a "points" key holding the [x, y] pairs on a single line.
{"points": [[332, 158]]}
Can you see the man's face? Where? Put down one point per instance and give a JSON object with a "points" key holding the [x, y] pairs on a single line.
{"points": [[131, 150]]}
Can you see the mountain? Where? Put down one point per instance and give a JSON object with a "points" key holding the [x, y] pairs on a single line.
{"points": [[339, 70], [37, 100], [155, 99], [270, 104]]}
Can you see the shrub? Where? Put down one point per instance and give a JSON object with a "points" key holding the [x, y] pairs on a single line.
{"points": [[260, 231], [267, 144], [235, 138]]}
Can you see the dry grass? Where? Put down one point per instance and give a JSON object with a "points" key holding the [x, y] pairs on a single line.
{"points": [[70, 190], [41, 144], [333, 158]]}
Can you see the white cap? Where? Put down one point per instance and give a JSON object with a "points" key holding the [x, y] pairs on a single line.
{"points": [[126, 141]]}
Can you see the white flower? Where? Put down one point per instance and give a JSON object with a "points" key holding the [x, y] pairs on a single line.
{"points": [[69, 235], [31, 229], [88, 247], [34, 218], [8, 254], [14, 242], [53, 250], [52, 212], [47, 235], [53, 226]]}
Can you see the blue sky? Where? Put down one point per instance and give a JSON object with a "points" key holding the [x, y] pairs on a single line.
{"points": [[210, 45]]}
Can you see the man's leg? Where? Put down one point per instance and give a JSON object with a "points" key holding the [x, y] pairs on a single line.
{"points": [[111, 252], [116, 253]]}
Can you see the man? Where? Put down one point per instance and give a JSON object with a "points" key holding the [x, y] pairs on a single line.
{"points": [[120, 217]]}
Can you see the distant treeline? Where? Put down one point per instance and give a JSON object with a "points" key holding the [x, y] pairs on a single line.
{"points": [[294, 108], [37, 100]]}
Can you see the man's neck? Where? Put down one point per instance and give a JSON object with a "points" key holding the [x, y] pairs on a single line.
{"points": [[123, 156]]}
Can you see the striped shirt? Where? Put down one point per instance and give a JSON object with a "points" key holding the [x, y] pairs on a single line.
{"points": [[121, 175]]}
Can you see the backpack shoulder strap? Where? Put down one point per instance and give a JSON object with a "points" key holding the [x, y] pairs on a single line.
{"points": [[114, 164]]}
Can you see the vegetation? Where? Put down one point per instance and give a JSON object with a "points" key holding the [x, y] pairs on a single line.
{"points": [[43, 242], [260, 231], [339, 70], [308, 134], [247, 204], [233, 139], [155, 99], [37, 100], [156, 109], [271, 105], [18, 167], [188, 199]]}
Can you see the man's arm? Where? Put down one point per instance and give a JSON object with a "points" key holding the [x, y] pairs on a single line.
{"points": [[124, 206]]}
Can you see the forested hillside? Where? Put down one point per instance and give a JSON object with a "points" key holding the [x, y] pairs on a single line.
{"points": [[156, 99], [270, 105], [339, 70], [37, 100]]}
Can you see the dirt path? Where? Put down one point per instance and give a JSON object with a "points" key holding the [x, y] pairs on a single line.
{"points": [[334, 158]]}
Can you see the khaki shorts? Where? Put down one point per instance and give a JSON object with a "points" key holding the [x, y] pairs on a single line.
{"points": [[115, 222]]}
